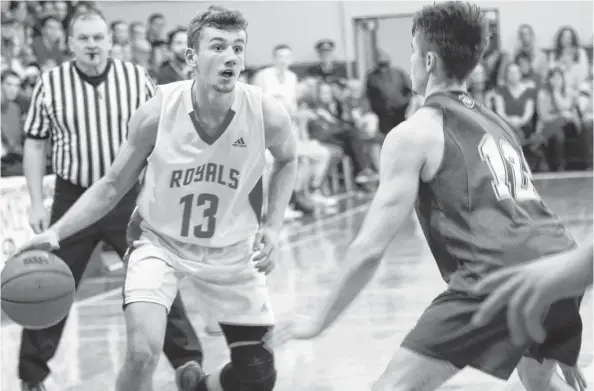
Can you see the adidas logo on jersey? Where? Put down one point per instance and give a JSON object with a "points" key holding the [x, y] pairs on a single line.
{"points": [[240, 143]]}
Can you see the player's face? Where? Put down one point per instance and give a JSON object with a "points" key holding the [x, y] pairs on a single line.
{"points": [[220, 58], [418, 70], [90, 41]]}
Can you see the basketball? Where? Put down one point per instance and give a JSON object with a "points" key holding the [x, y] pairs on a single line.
{"points": [[37, 289]]}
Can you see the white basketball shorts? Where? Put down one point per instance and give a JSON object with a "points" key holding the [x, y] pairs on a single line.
{"points": [[226, 280]]}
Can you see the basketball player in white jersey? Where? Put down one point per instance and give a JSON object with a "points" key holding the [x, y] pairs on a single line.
{"points": [[202, 142]]}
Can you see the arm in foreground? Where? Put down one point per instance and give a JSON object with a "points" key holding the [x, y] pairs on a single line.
{"points": [[403, 156], [529, 289], [104, 195]]}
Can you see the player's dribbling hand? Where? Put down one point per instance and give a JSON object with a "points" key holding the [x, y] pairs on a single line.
{"points": [[574, 377], [525, 290], [46, 241], [299, 327], [265, 247]]}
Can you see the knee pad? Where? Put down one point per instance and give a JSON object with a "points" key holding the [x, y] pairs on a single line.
{"points": [[252, 361]]}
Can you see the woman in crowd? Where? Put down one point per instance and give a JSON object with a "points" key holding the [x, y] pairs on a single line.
{"points": [[526, 47], [557, 119], [571, 57]]}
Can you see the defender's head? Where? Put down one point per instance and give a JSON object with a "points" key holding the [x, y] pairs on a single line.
{"points": [[448, 41], [216, 47]]}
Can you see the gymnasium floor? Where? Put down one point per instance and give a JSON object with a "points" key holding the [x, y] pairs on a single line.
{"points": [[350, 356]]}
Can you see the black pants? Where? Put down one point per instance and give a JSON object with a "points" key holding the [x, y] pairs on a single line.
{"points": [[352, 145], [39, 346]]}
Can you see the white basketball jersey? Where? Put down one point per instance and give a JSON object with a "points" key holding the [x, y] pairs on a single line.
{"points": [[205, 190]]}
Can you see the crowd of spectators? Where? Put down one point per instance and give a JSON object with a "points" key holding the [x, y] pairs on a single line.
{"points": [[339, 122]]}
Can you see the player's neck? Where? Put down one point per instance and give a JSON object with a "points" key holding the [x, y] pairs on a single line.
{"points": [[210, 101], [444, 86]]}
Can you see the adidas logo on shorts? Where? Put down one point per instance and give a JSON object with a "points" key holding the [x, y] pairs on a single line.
{"points": [[240, 143]]}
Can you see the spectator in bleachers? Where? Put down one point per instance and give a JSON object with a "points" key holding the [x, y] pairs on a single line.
{"points": [[50, 45], [557, 119], [326, 69], [142, 52], [529, 76], [279, 80], [389, 92], [328, 127], [61, 11], [569, 55], [137, 32], [526, 48], [32, 73], [155, 28], [12, 134], [120, 33], [494, 59], [20, 13], [515, 101], [176, 68], [477, 87], [585, 107], [121, 52]]}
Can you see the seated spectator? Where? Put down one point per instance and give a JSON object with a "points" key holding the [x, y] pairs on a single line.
{"points": [[156, 28], [328, 128], [585, 106], [142, 55], [51, 44], [176, 68], [121, 52], [557, 119], [494, 59], [12, 133], [119, 32], [20, 14], [137, 32], [529, 77], [571, 57], [477, 87], [527, 50], [32, 74], [515, 102]]}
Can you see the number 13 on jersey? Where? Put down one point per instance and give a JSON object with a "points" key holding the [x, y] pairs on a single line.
{"points": [[511, 175], [210, 202]]}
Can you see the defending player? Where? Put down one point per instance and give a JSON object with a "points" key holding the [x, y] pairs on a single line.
{"points": [[479, 210]]}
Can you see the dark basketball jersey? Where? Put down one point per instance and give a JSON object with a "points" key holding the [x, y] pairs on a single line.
{"points": [[482, 211]]}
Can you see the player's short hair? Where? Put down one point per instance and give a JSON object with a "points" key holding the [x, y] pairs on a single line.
{"points": [[92, 13], [217, 17], [457, 31]]}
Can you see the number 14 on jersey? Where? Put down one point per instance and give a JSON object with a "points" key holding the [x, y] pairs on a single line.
{"points": [[511, 174]]}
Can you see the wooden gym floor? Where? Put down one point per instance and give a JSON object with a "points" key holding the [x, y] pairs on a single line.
{"points": [[350, 356]]}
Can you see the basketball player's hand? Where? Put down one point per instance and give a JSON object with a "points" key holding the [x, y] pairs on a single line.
{"points": [[574, 377], [526, 291], [265, 248], [299, 327], [38, 218], [46, 241]]}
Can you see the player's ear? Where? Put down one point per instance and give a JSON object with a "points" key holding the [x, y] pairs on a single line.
{"points": [[190, 56], [430, 62]]}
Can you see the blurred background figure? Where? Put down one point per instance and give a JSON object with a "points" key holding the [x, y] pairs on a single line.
{"points": [[389, 92], [175, 68]]}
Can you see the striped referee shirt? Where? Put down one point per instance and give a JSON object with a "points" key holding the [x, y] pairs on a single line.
{"points": [[85, 117]]}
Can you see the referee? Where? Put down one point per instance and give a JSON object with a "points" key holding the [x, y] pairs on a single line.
{"points": [[83, 107]]}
